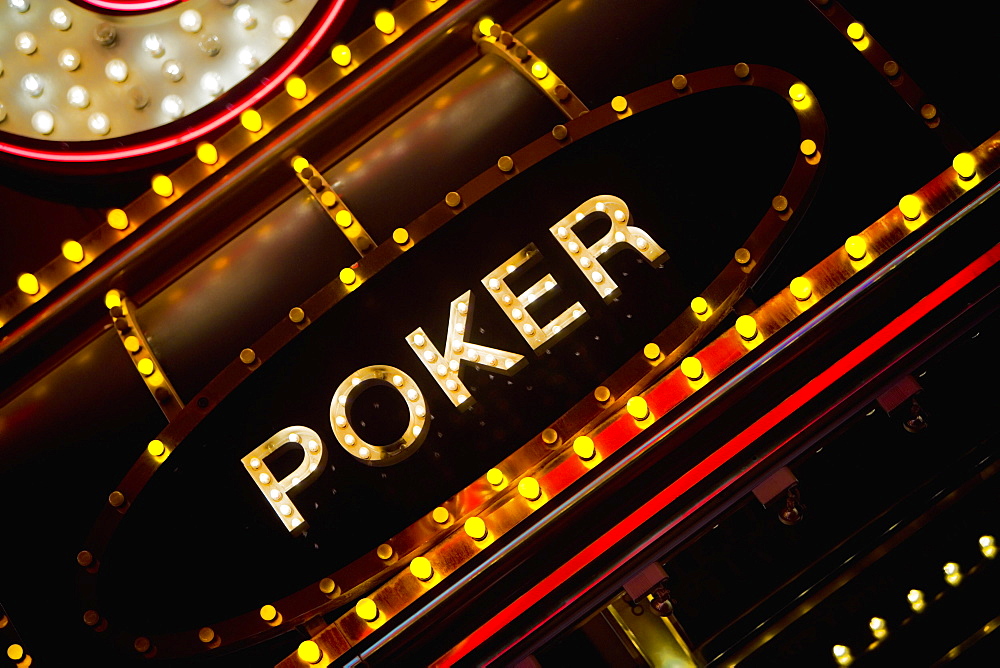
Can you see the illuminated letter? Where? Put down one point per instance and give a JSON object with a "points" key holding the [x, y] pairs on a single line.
{"points": [[276, 491], [516, 306], [620, 235], [457, 349], [416, 407]]}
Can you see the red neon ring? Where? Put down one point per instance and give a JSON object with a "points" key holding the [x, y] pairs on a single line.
{"points": [[201, 130], [126, 6]]}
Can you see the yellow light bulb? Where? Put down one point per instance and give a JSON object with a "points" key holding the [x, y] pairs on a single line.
{"points": [[856, 248], [385, 22], [619, 104], [132, 344], [163, 186], [384, 551], [310, 652], [299, 163], [878, 627], [800, 288], [145, 366], [699, 305], [28, 284], [495, 477], [746, 327], [341, 55], [296, 88], [529, 488], [856, 31], [539, 69], [207, 153], [842, 654], [348, 276], [344, 218], [476, 529], [637, 408], [251, 120], [112, 299], [952, 574], [584, 447], [911, 207], [117, 219], [988, 547], [964, 165], [440, 515], [797, 92], [268, 613], [691, 367], [72, 251], [808, 148], [651, 351], [422, 569], [400, 236], [366, 609], [328, 199], [485, 24], [15, 652], [156, 448]]}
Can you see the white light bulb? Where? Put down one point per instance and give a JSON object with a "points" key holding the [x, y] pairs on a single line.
{"points": [[25, 43], [20, 5], [99, 124], [190, 21], [69, 59], [244, 16], [248, 58], [43, 122], [78, 97], [116, 70], [153, 45], [172, 70], [211, 83], [173, 106], [283, 26], [32, 85], [60, 19]]}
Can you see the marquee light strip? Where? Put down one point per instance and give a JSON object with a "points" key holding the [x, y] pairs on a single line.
{"points": [[491, 38], [680, 337], [900, 81], [333, 205], [10, 642], [122, 312], [250, 126], [665, 396]]}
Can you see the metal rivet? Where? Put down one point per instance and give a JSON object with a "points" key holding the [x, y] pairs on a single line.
{"points": [[453, 199], [679, 82], [247, 356], [505, 163], [742, 70], [560, 132], [296, 315]]}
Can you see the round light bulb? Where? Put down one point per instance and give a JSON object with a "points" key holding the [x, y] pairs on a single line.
{"points": [[211, 83], [99, 123], [32, 85], [244, 16], [78, 97], [172, 106], [172, 70], [69, 59], [341, 55], [210, 45], [965, 166], [190, 21], [43, 122], [25, 43], [3, 113], [153, 45], [248, 58], [283, 26], [116, 70], [20, 5], [60, 19], [385, 22]]}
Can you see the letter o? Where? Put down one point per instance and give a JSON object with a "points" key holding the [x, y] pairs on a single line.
{"points": [[416, 406]]}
